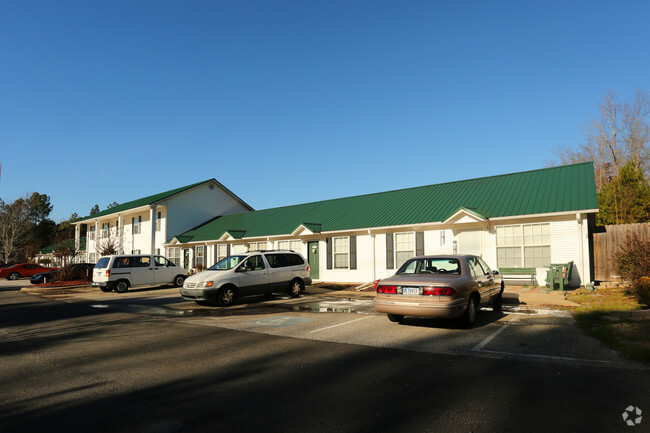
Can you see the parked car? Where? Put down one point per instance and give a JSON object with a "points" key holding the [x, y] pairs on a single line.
{"points": [[81, 271], [252, 273], [22, 270], [121, 271], [440, 286]]}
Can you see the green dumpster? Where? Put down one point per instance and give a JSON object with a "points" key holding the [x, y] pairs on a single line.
{"points": [[559, 274]]}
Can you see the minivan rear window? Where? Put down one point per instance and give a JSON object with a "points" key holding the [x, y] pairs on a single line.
{"points": [[277, 260], [123, 262], [280, 260], [102, 263], [295, 259]]}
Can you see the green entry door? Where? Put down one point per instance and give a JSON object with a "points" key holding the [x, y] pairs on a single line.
{"points": [[313, 260]]}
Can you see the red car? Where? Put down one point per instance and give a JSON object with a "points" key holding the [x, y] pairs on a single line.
{"points": [[23, 270]]}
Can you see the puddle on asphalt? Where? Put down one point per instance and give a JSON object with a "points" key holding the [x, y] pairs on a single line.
{"points": [[345, 306], [329, 306]]}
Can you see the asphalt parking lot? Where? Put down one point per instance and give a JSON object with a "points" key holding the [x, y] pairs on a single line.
{"points": [[537, 335]]}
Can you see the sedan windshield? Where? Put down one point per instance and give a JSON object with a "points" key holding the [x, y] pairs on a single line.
{"points": [[227, 263], [430, 266]]}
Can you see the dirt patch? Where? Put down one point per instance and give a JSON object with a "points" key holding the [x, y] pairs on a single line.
{"points": [[630, 337]]}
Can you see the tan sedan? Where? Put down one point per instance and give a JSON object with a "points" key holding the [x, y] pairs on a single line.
{"points": [[440, 286]]}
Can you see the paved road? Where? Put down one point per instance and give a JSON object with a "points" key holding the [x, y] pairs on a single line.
{"points": [[136, 365], [546, 336]]}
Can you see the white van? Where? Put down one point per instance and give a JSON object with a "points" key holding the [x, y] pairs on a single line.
{"points": [[121, 271], [252, 273]]}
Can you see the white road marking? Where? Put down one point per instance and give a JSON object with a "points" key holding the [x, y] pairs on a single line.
{"points": [[489, 338], [563, 358], [340, 324]]}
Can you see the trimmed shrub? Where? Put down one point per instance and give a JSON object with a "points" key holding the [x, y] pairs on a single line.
{"points": [[641, 289], [632, 263]]}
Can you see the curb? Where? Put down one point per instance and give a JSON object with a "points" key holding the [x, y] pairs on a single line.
{"points": [[43, 289]]}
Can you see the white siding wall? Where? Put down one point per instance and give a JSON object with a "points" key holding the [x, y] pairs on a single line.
{"points": [[194, 207], [565, 247]]}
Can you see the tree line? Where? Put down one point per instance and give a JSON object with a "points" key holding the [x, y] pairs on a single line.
{"points": [[26, 228]]}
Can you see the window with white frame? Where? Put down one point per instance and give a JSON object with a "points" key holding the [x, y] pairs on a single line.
{"points": [[257, 246], [158, 217], [174, 255], [222, 252], [136, 225], [294, 245], [527, 245], [105, 229], [404, 247], [199, 256], [341, 252], [91, 233]]}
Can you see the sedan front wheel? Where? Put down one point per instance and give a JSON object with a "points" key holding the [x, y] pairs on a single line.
{"points": [[13, 276]]}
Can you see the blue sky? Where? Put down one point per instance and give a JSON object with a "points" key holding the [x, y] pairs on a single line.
{"points": [[288, 102]]}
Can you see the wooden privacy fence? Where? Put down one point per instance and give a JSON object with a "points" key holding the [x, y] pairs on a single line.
{"points": [[607, 240]]}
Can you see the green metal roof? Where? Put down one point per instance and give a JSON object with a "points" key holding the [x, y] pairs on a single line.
{"points": [[558, 189], [142, 201], [70, 243]]}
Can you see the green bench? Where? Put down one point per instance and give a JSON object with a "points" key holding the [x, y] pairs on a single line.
{"points": [[559, 274], [520, 274]]}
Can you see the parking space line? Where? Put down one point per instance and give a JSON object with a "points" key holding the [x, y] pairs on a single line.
{"points": [[562, 358], [489, 338], [340, 324]]}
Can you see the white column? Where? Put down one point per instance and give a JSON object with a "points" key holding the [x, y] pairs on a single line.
{"points": [[374, 258], [120, 233], [581, 255], [97, 237], [77, 236]]}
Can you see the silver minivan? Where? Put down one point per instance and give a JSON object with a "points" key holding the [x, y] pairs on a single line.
{"points": [[120, 271], [252, 273]]}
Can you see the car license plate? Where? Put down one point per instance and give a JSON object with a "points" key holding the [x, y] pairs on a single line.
{"points": [[411, 291]]}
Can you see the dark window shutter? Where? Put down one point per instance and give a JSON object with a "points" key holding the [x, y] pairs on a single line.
{"points": [[390, 258], [228, 250], [353, 252], [328, 242], [419, 243]]}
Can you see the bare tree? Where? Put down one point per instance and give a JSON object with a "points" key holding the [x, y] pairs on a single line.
{"points": [[110, 245], [14, 225], [619, 135], [65, 252]]}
